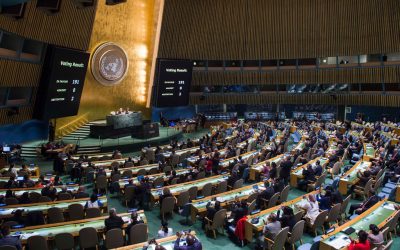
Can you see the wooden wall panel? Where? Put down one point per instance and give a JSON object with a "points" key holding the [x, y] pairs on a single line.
{"points": [[278, 29], [345, 99], [25, 113], [324, 76], [70, 27], [19, 74]]}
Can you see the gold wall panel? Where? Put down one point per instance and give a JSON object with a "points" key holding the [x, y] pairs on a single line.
{"points": [[131, 25], [278, 29]]}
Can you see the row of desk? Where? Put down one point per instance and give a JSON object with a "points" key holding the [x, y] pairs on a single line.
{"points": [[73, 227], [20, 191], [8, 211]]}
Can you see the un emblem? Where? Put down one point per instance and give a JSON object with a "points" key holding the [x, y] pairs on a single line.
{"points": [[109, 64]]}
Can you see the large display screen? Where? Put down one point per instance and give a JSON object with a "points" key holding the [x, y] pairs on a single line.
{"points": [[172, 83], [62, 82]]}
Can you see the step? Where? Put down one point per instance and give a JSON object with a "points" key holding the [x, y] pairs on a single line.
{"points": [[387, 190], [390, 185], [88, 151], [79, 133]]}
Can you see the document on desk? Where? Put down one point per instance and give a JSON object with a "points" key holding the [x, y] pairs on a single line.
{"points": [[339, 242], [389, 206]]}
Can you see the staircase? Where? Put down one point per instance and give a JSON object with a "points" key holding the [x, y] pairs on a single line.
{"points": [[388, 190], [79, 134], [88, 150], [29, 151]]}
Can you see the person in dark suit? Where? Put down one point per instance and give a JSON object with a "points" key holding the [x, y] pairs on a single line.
{"points": [[360, 208], [273, 173], [287, 218], [165, 193], [211, 211], [113, 221], [318, 169], [135, 220], [279, 185], [7, 240], [286, 167], [309, 177], [265, 195]]}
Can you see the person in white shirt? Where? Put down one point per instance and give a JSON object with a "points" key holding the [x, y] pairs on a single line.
{"points": [[93, 202], [165, 231], [311, 207]]}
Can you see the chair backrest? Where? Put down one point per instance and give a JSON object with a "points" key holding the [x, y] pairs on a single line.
{"points": [[129, 192], [167, 168], [11, 201], [64, 196], [393, 222], [37, 242], [101, 182], [206, 190], [238, 184], [385, 232], [115, 177], [93, 212], [34, 197], [114, 164], [284, 194], [252, 197], [336, 168], [88, 237], [45, 199], [201, 175], [222, 187], [55, 215], [252, 206], [274, 199], [143, 162], [298, 215], [378, 184], [368, 186], [6, 247], [183, 198], [345, 203], [297, 232], [380, 173], [64, 241], [76, 212], [193, 193], [128, 164], [175, 160], [114, 238], [35, 218], [158, 182], [219, 219], [388, 245], [138, 234], [167, 205], [334, 213], [10, 223], [320, 180], [280, 239], [174, 181], [141, 171], [319, 221], [153, 171]]}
